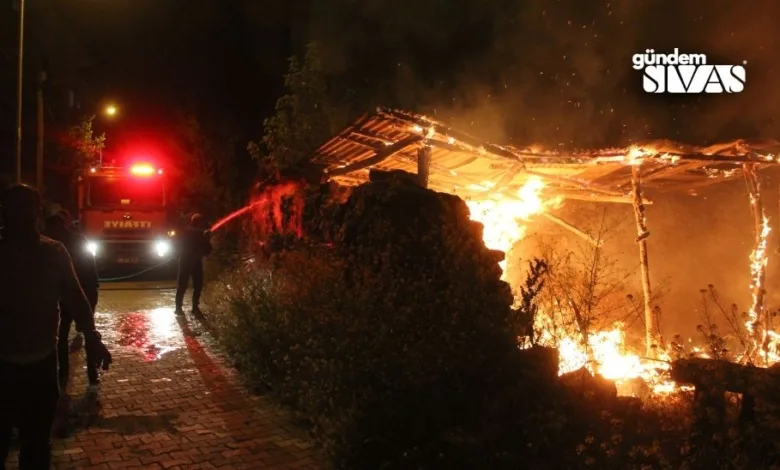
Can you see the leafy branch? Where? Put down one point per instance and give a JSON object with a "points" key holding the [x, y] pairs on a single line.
{"points": [[302, 121], [85, 145]]}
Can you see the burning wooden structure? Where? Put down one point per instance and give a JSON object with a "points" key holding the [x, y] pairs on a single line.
{"points": [[451, 161]]}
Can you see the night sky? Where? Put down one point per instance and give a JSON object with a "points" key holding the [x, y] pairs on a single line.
{"points": [[154, 59], [536, 71]]}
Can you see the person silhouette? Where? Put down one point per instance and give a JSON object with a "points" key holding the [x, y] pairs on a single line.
{"points": [[194, 245], [86, 271], [36, 277]]}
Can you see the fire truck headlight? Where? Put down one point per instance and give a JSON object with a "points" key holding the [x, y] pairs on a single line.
{"points": [[92, 247], [162, 247]]}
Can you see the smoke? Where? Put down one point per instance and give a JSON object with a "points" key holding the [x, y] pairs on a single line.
{"points": [[556, 73]]}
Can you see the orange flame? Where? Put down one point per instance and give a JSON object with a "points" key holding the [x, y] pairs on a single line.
{"points": [[505, 223], [505, 220]]}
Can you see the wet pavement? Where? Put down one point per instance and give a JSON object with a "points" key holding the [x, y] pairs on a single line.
{"points": [[170, 400]]}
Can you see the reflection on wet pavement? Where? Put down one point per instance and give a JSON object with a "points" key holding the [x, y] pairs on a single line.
{"points": [[169, 400], [153, 332]]}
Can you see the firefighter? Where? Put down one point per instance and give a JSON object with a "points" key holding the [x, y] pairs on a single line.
{"points": [[194, 245], [84, 264], [36, 277]]}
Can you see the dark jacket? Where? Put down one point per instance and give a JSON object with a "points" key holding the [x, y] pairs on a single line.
{"points": [[36, 276], [83, 262], [194, 244]]}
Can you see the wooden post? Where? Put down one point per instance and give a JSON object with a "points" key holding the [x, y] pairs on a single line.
{"points": [[759, 321], [651, 323], [424, 165]]}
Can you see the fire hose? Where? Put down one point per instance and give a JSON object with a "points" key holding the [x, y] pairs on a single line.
{"points": [[123, 278]]}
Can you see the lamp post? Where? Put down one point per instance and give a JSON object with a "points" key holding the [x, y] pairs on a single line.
{"points": [[19, 77]]}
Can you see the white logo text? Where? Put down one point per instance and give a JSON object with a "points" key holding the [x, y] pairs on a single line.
{"points": [[687, 73]]}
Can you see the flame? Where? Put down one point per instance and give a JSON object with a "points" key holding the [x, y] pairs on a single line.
{"points": [[505, 219], [604, 353], [758, 263], [636, 156]]}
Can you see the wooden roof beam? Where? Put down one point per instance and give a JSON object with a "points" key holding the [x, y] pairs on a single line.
{"points": [[378, 157], [576, 183], [386, 141], [736, 160], [591, 197], [507, 178], [464, 138]]}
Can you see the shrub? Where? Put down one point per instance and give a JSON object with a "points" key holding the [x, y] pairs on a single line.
{"points": [[389, 342]]}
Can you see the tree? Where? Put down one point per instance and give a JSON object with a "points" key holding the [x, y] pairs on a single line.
{"points": [[199, 163], [76, 148], [303, 119], [586, 289], [82, 146]]}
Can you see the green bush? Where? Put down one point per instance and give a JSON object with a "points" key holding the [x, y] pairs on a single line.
{"points": [[360, 356], [389, 341]]}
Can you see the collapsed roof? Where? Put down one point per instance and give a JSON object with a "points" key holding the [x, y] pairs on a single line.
{"points": [[469, 167]]}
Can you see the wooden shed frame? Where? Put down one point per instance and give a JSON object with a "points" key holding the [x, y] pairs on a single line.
{"points": [[451, 161]]}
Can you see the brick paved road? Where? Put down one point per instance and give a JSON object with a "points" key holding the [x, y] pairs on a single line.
{"points": [[169, 401]]}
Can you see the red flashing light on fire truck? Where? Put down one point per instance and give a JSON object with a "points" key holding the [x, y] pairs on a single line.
{"points": [[145, 169], [141, 169]]}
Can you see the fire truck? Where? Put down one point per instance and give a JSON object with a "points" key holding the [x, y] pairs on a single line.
{"points": [[123, 213]]}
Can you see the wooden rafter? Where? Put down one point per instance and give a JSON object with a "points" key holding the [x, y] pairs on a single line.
{"points": [[670, 170], [378, 157], [580, 233], [593, 197], [508, 177], [377, 136]]}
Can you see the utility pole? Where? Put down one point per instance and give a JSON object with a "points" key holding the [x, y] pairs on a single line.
{"points": [[39, 149], [20, 74]]}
